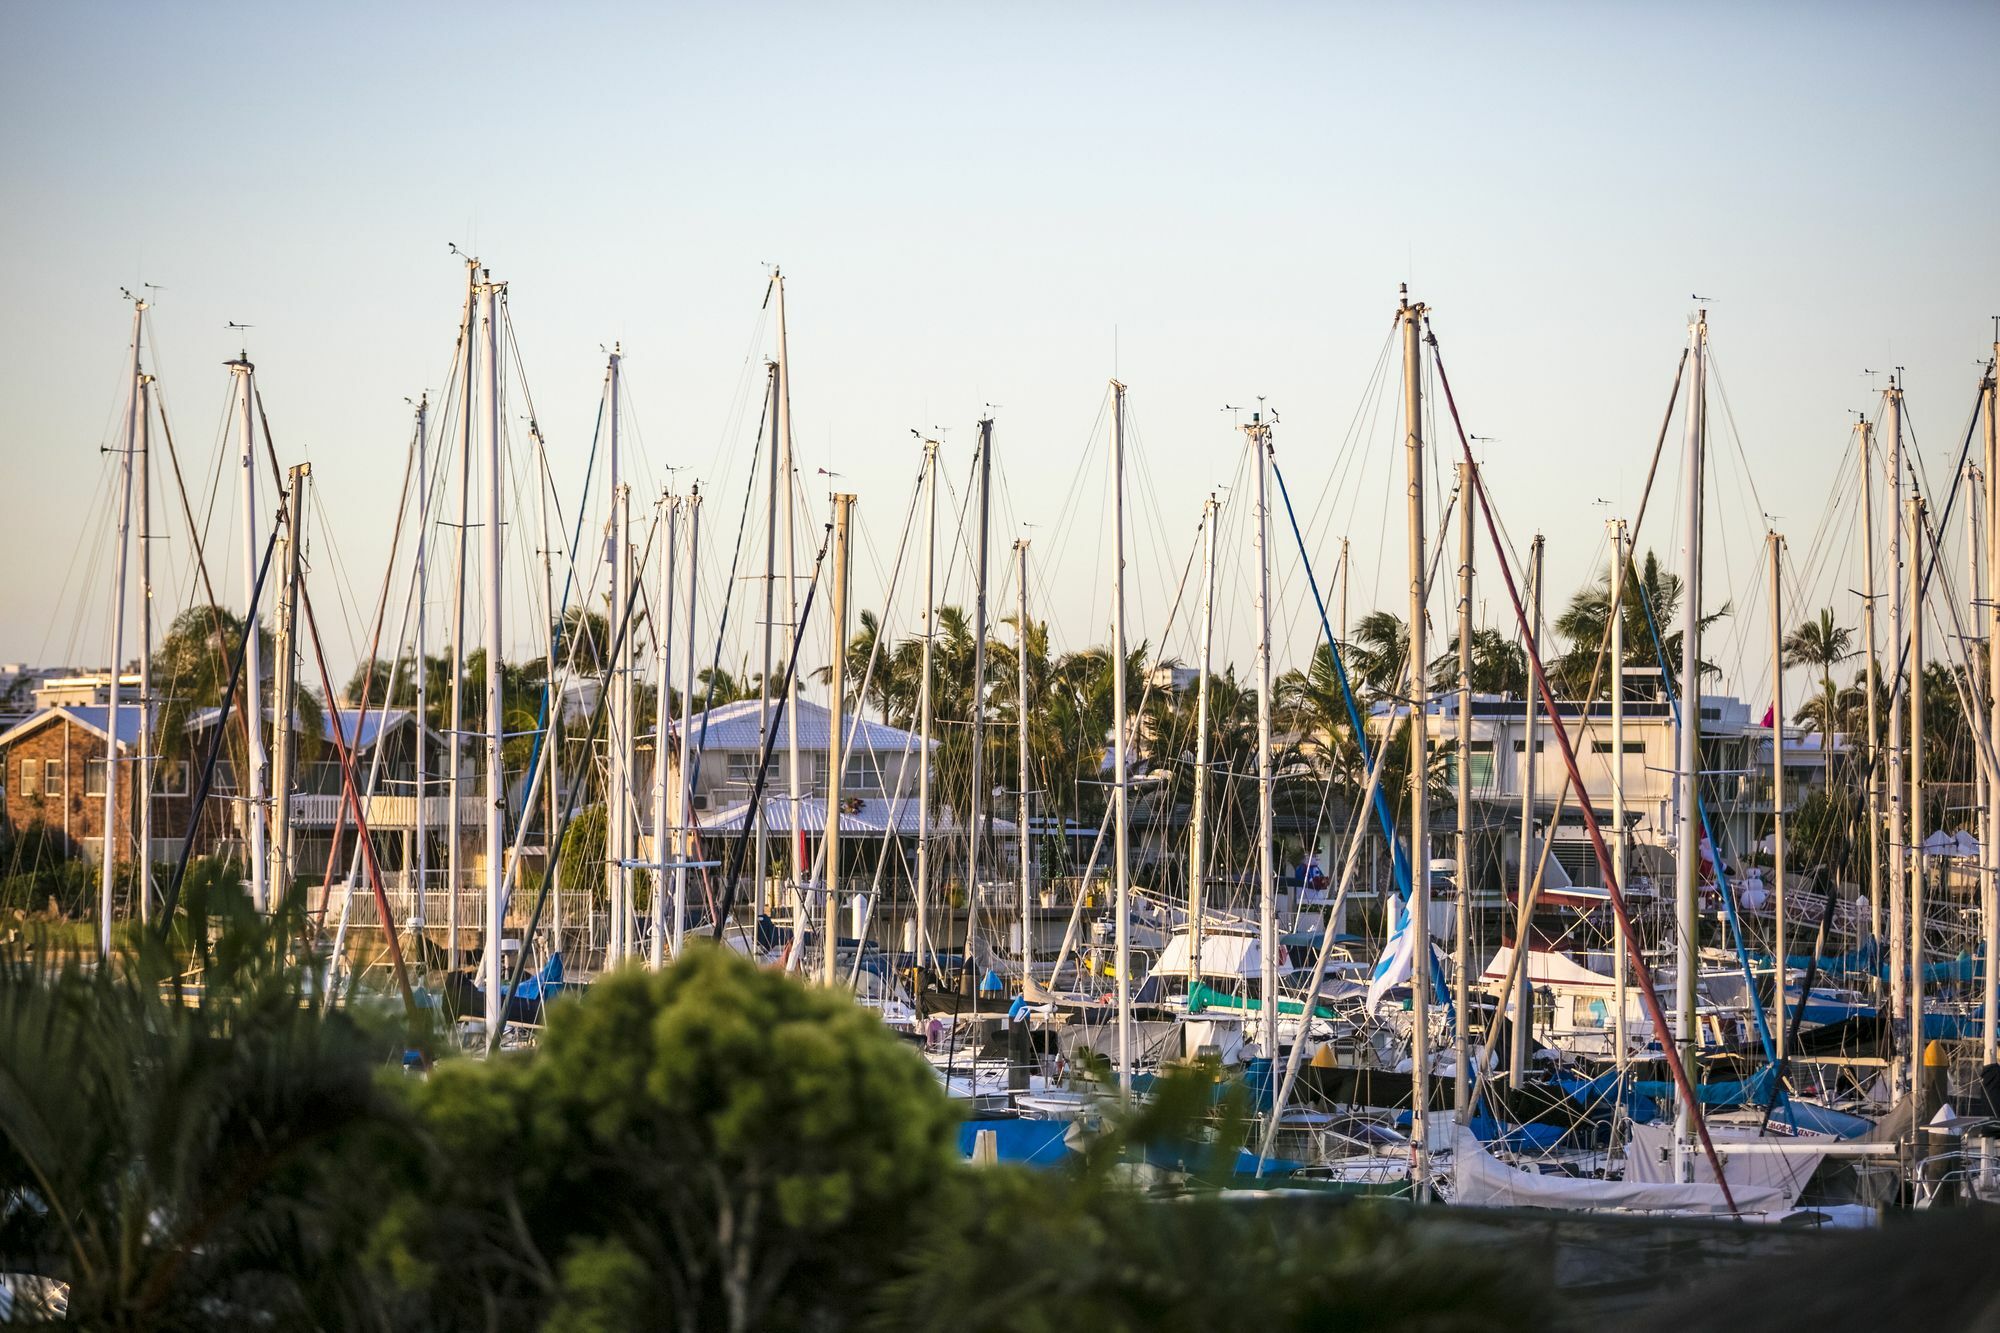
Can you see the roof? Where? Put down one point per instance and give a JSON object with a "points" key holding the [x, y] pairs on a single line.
{"points": [[867, 816], [377, 721], [734, 726], [91, 717]]}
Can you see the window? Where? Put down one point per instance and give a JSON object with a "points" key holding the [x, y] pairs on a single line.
{"points": [[742, 767], [1481, 767], [170, 778], [31, 777], [1519, 746], [52, 777], [93, 777], [820, 768], [1604, 747], [863, 776]]}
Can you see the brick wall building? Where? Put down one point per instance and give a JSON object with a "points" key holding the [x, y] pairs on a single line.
{"points": [[55, 772]]}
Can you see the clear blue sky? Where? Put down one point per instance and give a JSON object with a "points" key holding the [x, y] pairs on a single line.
{"points": [[1002, 204]]}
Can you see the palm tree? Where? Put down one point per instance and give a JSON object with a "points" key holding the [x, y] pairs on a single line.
{"points": [[1652, 599], [1823, 644], [1375, 655]]}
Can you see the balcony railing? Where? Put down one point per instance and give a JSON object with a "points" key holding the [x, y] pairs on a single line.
{"points": [[386, 812]]}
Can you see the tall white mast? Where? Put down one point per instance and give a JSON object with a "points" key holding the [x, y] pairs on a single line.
{"points": [[1621, 835], [836, 741], [1197, 830], [1688, 863], [422, 729], [1420, 814], [663, 711], [1916, 826], [1522, 1029], [1777, 548], [496, 787], [977, 803], [1899, 861], [142, 782], [1871, 648], [1025, 868], [1258, 434], [107, 878], [617, 799], [789, 481], [923, 884], [454, 850], [1120, 760], [1989, 842], [684, 804], [254, 811], [1462, 923]]}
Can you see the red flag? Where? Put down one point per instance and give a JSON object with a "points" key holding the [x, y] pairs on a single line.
{"points": [[1769, 712]]}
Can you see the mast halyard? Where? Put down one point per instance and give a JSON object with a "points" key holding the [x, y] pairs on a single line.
{"points": [[1915, 1053], [421, 835], [1989, 843], [1870, 650], [1621, 833], [618, 749], [454, 849], [142, 783]]}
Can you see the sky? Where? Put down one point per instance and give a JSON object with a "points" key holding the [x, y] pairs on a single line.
{"points": [[998, 209]]}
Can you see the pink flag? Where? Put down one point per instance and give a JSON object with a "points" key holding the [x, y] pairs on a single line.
{"points": [[1769, 714]]}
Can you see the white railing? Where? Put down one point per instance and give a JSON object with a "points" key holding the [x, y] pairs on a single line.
{"points": [[385, 812]]}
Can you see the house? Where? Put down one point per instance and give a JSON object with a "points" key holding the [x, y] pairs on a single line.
{"points": [[382, 743], [56, 765]]}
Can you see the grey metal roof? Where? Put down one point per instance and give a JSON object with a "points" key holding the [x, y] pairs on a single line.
{"points": [[734, 727], [378, 721]]}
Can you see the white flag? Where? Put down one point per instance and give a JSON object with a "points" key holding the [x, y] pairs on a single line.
{"points": [[1392, 969]]}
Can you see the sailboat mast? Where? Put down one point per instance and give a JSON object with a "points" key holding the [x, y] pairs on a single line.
{"points": [[1776, 544], [1989, 842], [836, 740], [1687, 877], [663, 710], [788, 480], [923, 884], [1120, 759], [1521, 1030], [1916, 835], [551, 737], [977, 812], [1420, 812], [1258, 435], [142, 782], [284, 687], [496, 788], [1621, 835], [422, 730], [684, 802], [107, 876], [1871, 649], [1026, 867], [454, 849], [254, 811], [1197, 822], [1898, 837], [761, 834], [1461, 963]]}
